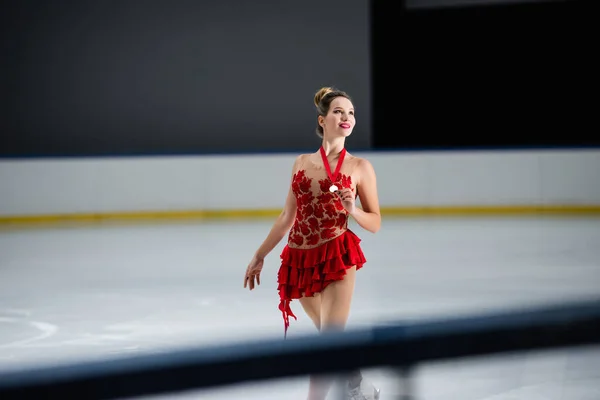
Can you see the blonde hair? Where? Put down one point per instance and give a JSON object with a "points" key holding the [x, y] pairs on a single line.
{"points": [[323, 99]]}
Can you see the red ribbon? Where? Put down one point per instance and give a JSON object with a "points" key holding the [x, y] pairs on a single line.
{"points": [[333, 177]]}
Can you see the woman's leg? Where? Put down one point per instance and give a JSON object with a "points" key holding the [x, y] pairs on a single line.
{"points": [[334, 311], [312, 308], [331, 308], [335, 302]]}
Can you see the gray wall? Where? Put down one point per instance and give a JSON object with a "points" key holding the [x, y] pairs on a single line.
{"points": [[120, 77]]}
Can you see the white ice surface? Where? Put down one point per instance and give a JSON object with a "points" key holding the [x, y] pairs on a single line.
{"points": [[75, 293]]}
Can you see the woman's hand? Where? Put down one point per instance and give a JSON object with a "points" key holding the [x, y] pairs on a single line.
{"points": [[348, 200], [253, 272]]}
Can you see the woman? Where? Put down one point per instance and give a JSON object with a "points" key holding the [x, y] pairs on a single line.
{"points": [[320, 260]]}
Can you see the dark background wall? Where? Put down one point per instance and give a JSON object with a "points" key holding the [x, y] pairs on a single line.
{"points": [[505, 74], [84, 77], [89, 77]]}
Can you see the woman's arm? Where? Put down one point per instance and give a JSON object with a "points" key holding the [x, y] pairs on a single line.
{"points": [[369, 217], [283, 223]]}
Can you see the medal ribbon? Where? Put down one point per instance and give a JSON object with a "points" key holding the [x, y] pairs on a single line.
{"points": [[333, 177]]}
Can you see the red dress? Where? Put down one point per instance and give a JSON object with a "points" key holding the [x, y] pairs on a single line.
{"points": [[320, 246]]}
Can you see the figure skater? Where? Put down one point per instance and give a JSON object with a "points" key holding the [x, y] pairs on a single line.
{"points": [[320, 260]]}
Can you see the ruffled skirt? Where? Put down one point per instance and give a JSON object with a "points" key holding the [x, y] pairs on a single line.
{"points": [[304, 272]]}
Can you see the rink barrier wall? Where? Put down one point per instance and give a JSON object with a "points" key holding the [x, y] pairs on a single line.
{"points": [[400, 346], [485, 182], [171, 216]]}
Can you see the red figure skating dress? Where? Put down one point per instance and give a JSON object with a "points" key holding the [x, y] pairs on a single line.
{"points": [[320, 246]]}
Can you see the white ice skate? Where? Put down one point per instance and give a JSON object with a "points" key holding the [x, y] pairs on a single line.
{"points": [[362, 391]]}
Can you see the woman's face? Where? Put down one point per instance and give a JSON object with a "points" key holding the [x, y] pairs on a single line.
{"points": [[340, 120]]}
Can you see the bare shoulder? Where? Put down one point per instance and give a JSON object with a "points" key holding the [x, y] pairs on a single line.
{"points": [[364, 167], [299, 161], [364, 163], [300, 158]]}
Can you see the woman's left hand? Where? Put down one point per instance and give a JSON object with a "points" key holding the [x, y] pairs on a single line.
{"points": [[347, 198]]}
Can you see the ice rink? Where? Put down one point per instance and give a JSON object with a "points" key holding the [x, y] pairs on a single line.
{"points": [[72, 293]]}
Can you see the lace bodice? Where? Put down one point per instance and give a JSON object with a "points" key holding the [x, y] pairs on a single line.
{"points": [[320, 215]]}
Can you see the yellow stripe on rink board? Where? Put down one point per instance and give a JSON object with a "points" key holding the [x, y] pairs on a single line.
{"points": [[136, 216], [155, 216], [493, 210]]}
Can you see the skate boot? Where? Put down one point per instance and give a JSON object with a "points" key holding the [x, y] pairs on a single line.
{"points": [[359, 389]]}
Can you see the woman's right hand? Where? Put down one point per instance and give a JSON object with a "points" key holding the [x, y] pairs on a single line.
{"points": [[253, 272]]}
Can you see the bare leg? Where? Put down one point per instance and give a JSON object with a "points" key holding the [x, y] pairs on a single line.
{"points": [[312, 308], [336, 300], [333, 314]]}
